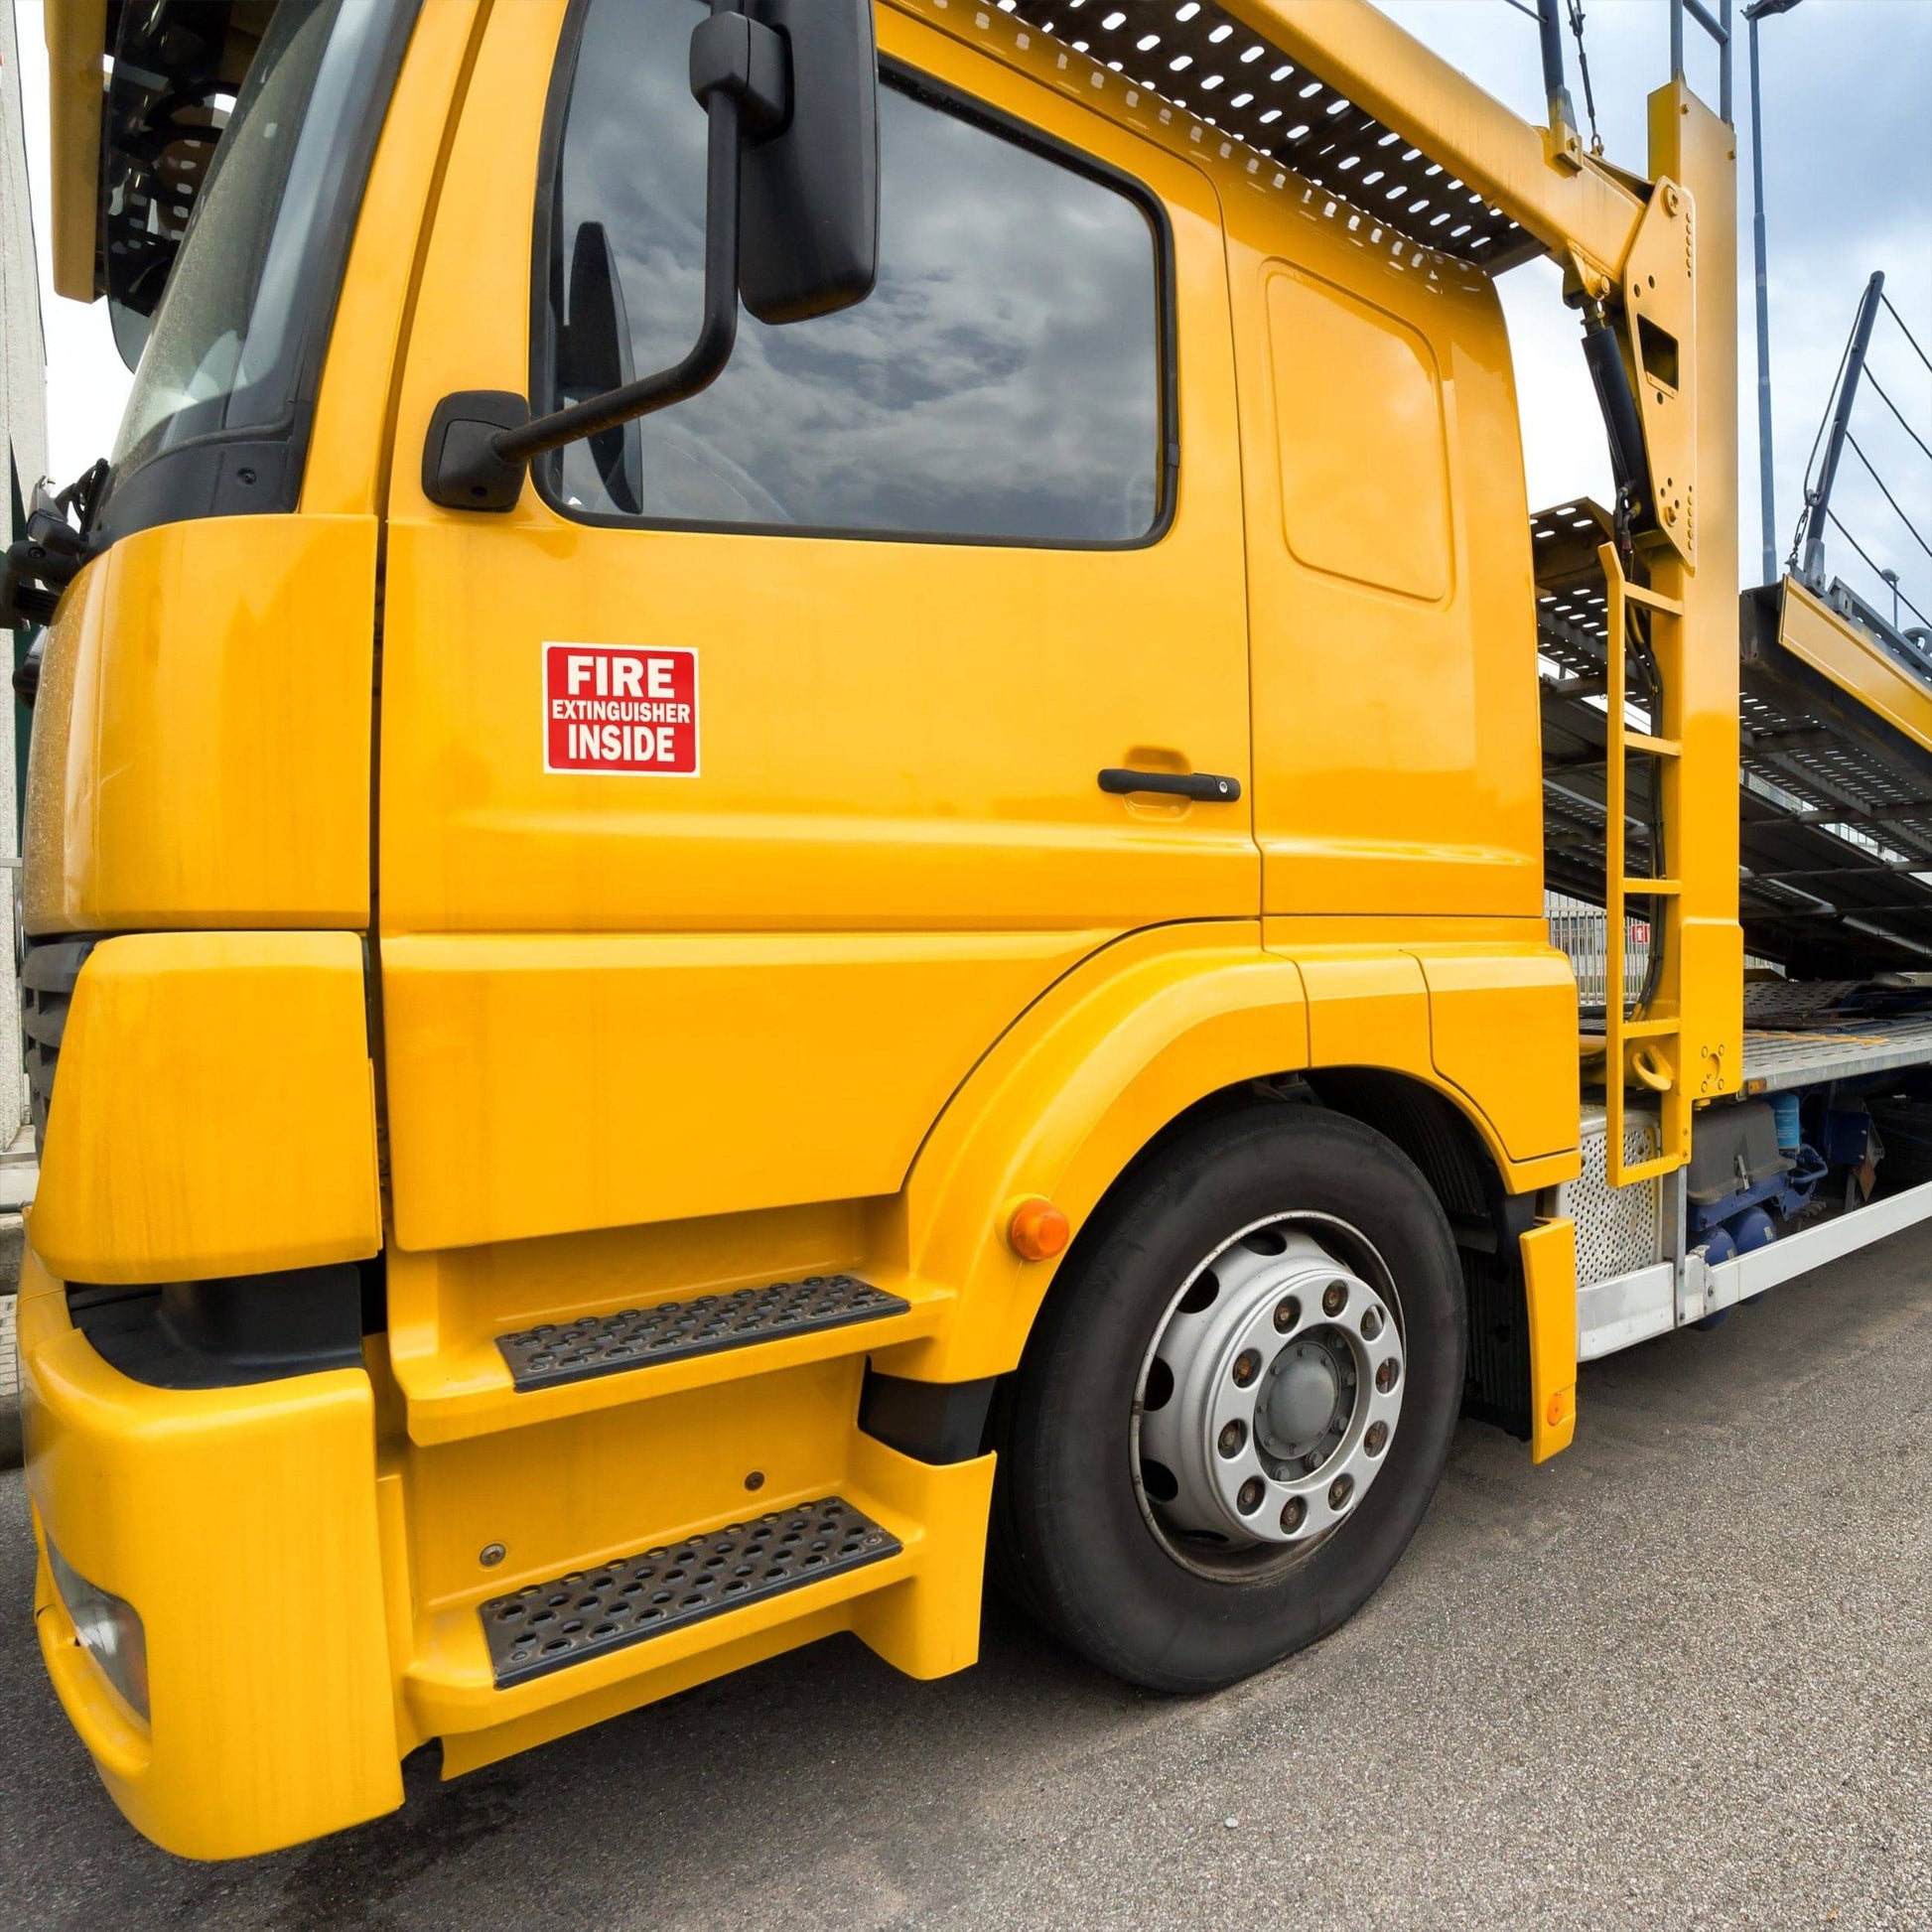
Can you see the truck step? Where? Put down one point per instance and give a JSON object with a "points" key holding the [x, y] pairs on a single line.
{"points": [[607, 1345], [547, 1626]]}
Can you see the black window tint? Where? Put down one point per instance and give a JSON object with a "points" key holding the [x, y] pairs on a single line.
{"points": [[1002, 380]]}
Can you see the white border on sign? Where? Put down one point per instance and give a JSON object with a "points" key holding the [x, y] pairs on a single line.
{"points": [[618, 772]]}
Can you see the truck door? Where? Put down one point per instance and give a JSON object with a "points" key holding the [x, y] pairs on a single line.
{"points": [[740, 784], [1396, 766]]}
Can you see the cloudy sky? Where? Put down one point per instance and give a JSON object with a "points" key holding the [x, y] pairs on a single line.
{"points": [[1849, 189]]}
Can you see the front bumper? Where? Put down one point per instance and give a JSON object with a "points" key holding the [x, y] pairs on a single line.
{"points": [[242, 1525]]}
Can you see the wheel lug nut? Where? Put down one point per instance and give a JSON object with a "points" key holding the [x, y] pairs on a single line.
{"points": [[1333, 1297], [1248, 1498], [1247, 1365], [1339, 1491], [1371, 1325], [1288, 1311], [1292, 1512], [1376, 1438], [1233, 1435], [1385, 1376], [1311, 1463]]}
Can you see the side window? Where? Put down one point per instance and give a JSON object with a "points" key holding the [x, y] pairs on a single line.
{"points": [[1003, 382], [1358, 409]]}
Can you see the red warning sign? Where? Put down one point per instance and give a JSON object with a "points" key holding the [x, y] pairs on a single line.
{"points": [[621, 708]]}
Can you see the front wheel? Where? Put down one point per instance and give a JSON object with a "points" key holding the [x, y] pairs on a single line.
{"points": [[1234, 1410]]}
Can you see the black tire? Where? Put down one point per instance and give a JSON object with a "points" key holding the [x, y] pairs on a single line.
{"points": [[1071, 1534]]}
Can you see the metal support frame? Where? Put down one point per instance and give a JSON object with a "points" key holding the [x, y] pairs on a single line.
{"points": [[1767, 504], [1818, 500], [1718, 26], [1624, 1309], [1766, 489]]}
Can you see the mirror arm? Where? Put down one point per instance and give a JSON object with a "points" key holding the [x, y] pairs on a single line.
{"points": [[717, 337], [480, 441]]}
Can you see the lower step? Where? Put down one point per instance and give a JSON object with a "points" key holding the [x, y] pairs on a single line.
{"points": [[549, 1626], [607, 1345]]}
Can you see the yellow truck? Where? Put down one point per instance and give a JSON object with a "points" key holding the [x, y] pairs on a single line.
{"points": [[789, 824]]}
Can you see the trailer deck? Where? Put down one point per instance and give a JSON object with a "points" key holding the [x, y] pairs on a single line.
{"points": [[1776, 1061], [1835, 798]]}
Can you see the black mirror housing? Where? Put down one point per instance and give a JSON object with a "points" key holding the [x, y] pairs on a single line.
{"points": [[808, 198]]}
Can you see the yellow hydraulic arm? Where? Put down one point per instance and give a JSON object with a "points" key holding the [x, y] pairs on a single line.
{"points": [[1656, 262], [1571, 205]]}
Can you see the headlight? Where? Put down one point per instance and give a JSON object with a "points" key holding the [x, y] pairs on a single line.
{"points": [[109, 1630]]}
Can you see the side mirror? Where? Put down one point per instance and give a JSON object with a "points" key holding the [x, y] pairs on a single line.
{"points": [[808, 205], [791, 220]]}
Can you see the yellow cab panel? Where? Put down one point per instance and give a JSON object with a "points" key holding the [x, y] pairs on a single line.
{"points": [[903, 694], [1390, 605]]}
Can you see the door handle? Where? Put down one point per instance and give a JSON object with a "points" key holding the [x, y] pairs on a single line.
{"points": [[1208, 786]]}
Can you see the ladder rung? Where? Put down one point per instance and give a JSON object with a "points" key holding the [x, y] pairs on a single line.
{"points": [[1670, 607], [1651, 888], [1664, 748], [1648, 1029], [1646, 1170]]}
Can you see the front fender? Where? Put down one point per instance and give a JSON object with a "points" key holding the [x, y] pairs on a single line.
{"points": [[1119, 1049], [1124, 1046]]}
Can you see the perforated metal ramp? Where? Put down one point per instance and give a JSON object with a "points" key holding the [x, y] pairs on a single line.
{"points": [[1203, 61], [1835, 804], [606, 1344], [549, 1626]]}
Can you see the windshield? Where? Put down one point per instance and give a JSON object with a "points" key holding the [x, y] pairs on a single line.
{"points": [[233, 332]]}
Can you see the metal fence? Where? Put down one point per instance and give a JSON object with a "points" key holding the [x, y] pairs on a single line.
{"points": [[1578, 929]]}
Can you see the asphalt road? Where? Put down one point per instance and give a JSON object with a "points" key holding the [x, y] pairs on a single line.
{"points": [[1681, 1676]]}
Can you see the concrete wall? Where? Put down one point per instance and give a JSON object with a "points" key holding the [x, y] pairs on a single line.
{"points": [[23, 434], [23, 431]]}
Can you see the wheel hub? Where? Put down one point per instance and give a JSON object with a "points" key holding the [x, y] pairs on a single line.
{"points": [[1271, 1394], [1306, 1398]]}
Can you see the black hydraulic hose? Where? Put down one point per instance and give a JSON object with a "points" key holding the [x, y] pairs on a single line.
{"points": [[1625, 430], [1604, 355]]}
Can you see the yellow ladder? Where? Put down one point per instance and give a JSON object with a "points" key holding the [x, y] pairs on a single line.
{"points": [[1647, 1050]]}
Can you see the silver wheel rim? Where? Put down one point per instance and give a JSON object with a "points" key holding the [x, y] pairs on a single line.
{"points": [[1270, 1397]]}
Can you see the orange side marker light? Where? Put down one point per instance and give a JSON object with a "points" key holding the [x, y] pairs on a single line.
{"points": [[1036, 1230]]}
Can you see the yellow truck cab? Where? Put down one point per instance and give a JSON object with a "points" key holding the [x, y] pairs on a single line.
{"points": [[694, 958]]}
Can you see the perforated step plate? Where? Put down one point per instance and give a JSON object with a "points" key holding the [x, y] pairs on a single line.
{"points": [[606, 1344], [551, 1625]]}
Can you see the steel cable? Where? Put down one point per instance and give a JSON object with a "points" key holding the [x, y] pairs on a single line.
{"points": [[1582, 68], [1872, 382], [1886, 494], [1906, 333], [1832, 517]]}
